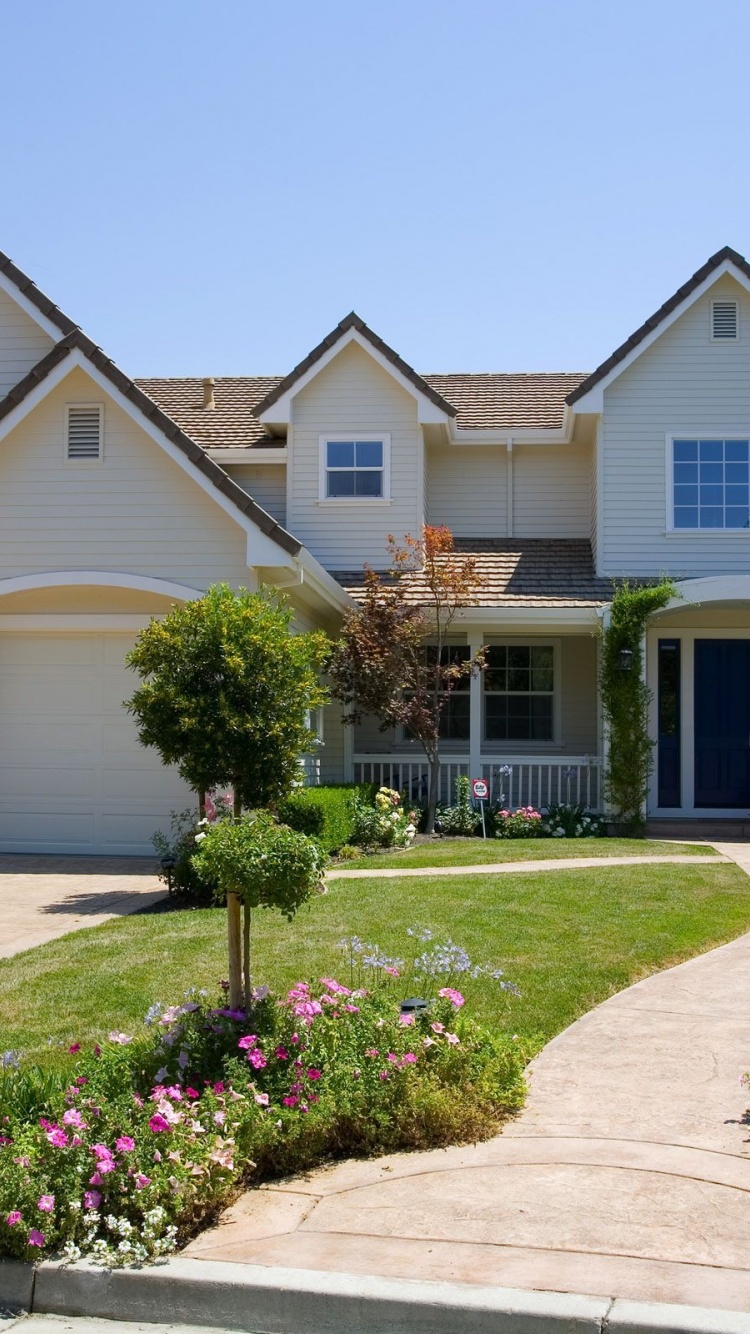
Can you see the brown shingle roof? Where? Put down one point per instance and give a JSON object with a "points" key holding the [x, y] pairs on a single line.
{"points": [[619, 354], [523, 401], [231, 423], [518, 572]]}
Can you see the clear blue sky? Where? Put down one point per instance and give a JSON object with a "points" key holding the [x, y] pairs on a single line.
{"points": [[209, 187]]}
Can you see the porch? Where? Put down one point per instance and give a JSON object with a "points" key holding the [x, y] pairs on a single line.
{"points": [[513, 780]]}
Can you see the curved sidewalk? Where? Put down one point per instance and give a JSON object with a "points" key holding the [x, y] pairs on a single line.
{"points": [[626, 1175], [542, 864]]}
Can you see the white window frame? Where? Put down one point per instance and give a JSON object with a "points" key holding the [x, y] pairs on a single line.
{"points": [[724, 301], [452, 744], [367, 437], [703, 434], [87, 407], [495, 744]]}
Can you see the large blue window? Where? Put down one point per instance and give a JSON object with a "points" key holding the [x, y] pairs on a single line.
{"points": [[711, 483], [354, 469]]}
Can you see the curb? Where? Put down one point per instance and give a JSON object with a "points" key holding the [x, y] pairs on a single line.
{"points": [[270, 1300]]}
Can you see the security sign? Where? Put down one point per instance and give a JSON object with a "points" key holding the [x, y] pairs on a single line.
{"points": [[479, 789]]}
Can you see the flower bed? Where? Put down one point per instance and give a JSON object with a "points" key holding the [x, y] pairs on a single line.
{"points": [[141, 1141]]}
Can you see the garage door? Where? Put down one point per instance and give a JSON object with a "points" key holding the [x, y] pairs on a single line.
{"points": [[73, 777]]}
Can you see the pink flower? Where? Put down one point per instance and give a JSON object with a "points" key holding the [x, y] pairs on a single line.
{"points": [[438, 1028], [257, 1059], [281, 1054], [372, 1051], [313, 1074], [101, 1151], [306, 1010], [121, 1039], [36, 1238], [142, 1181], [46, 1203], [392, 972], [157, 1156], [91, 1199], [158, 1123], [73, 1118], [352, 1009], [57, 1138], [106, 1165], [218, 1086], [408, 1058], [76, 1046], [13, 1218], [191, 1093], [453, 1039], [96, 1180], [290, 1101], [384, 1074], [392, 1057], [261, 1099], [406, 1020], [250, 1040], [219, 1118], [455, 997], [125, 1144], [331, 984]]}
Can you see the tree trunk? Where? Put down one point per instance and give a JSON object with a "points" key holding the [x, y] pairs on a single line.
{"points": [[201, 805], [246, 957], [237, 803], [234, 936], [433, 792]]}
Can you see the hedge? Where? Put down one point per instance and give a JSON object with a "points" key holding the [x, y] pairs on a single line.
{"points": [[325, 813]]}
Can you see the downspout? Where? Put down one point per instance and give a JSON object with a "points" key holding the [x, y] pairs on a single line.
{"points": [[509, 448]]}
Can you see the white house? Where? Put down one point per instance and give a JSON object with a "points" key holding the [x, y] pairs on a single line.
{"points": [[119, 498]]}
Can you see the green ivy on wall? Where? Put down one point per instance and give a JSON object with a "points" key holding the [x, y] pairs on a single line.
{"points": [[626, 698]]}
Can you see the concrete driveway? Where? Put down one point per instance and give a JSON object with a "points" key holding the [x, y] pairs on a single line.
{"points": [[42, 898]]}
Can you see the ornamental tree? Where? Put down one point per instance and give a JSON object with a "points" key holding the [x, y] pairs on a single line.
{"points": [[226, 696], [261, 864], [394, 659]]}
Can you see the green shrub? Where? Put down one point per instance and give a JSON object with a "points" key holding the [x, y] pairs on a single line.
{"points": [[573, 820], [526, 822], [327, 814], [184, 877], [386, 824], [461, 819]]}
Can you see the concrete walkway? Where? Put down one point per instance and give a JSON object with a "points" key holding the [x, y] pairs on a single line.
{"points": [[45, 897], [626, 1175], [542, 864]]}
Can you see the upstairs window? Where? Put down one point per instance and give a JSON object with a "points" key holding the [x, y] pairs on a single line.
{"points": [[519, 692], [84, 432], [724, 321], [711, 484], [355, 468]]}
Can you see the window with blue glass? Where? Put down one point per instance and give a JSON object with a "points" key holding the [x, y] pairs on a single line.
{"points": [[354, 469], [711, 483]]}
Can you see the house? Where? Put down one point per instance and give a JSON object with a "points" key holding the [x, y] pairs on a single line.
{"points": [[119, 498]]}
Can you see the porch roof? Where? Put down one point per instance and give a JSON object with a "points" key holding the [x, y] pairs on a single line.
{"points": [[519, 572]]}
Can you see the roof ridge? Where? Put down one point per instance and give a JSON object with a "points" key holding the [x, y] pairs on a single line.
{"points": [[35, 295]]}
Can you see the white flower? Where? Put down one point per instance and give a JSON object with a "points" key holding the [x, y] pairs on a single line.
{"points": [[199, 837]]}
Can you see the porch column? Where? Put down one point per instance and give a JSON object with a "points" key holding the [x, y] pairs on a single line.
{"points": [[349, 753], [475, 712]]}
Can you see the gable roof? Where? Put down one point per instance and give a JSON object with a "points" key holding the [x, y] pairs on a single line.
{"points": [[78, 341], [353, 321], [231, 423], [528, 400], [32, 293], [723, 256]]}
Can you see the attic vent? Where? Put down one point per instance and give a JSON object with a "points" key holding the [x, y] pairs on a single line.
{"points": [[724, 321], [84, 432]]}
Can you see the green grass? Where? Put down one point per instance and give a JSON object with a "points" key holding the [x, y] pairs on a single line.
{"points": [[477, 851], [569, 938]]}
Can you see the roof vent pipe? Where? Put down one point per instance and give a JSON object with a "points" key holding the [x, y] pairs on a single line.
{"points": [[209, 402]]}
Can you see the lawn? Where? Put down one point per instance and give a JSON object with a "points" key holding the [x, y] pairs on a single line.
{"points": [[568, 938], [476, 851]]}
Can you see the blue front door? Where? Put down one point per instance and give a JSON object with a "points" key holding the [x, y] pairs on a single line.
{"points": [[722, 722]]}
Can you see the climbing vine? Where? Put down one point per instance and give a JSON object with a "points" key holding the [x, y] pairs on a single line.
{"points": [[626, 698]]}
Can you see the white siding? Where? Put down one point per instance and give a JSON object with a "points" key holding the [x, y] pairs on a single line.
{"points": [[331, 753], [594, 502], [266, 483], [353, 393], [682, 383], [468, 489], [22, 343], [551, 491], [136, 511]]}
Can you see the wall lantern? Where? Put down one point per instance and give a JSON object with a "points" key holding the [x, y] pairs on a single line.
{"points": [[625, 660]]}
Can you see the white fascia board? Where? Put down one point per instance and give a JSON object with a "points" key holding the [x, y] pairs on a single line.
{"points": [[259, 455], [551, 436], [593, 401], [314, 574], [261, 549], [34, 313], [280, 412]]}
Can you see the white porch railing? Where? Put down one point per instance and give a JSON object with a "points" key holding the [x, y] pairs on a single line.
{"points": [[516, 780]]}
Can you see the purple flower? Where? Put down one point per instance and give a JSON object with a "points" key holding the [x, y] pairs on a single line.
{"points": [[13, 1217], [125, 1144], [36, 1238], [158, 1123], [142, 1181], [91, 1199], [46, 1203]]}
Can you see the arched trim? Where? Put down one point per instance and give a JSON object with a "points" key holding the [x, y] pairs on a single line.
{"points": [[142, 583], [717, 588]]}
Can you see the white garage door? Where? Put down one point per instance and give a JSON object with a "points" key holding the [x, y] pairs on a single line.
{"points": [[73, 777]]}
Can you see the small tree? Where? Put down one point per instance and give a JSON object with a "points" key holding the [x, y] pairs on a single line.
{"points": [[393, 658], [262, 865], [226, 697]]}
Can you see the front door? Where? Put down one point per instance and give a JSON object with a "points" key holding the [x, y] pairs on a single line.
{"points": [[722, 723]]}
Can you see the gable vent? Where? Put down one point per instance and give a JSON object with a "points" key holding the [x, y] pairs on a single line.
{"points": [[85, 433], [724, 321]]}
